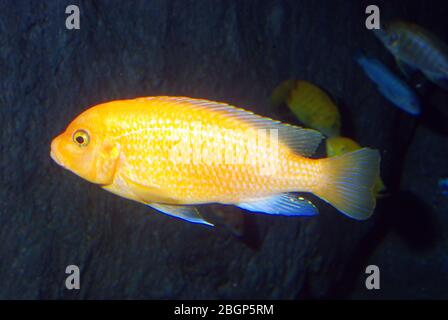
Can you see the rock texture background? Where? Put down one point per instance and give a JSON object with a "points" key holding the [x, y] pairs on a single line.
{"points": [[233, 51]]}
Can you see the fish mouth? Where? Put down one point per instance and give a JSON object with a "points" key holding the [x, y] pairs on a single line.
{"points": [[54, 154], [55, 158]]}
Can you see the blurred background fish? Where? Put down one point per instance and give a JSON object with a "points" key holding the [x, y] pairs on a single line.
{"points": [[336, 146], [415, 48], [281, 93], [390, 85], [310, 104], [443, 186]]}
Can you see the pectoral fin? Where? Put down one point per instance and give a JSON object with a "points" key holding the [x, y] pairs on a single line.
{"points": [[283, 204], [151, 195], [147, 193], [188, 213]]}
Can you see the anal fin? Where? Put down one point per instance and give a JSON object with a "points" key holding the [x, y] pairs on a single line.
{"points": [[283, 204]]}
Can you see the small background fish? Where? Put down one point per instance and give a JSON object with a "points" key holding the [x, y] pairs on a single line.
{"points": [[390, 85], [443, 185], [310, 104], [415, 48]]}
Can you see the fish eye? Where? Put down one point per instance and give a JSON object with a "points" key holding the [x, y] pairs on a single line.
{"points": [[81, 138]]}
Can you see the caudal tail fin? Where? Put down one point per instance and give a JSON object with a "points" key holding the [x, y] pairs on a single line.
{"points": [[347, 182]]}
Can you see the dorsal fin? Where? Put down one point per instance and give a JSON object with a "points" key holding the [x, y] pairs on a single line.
{"points": [[300, 140]]}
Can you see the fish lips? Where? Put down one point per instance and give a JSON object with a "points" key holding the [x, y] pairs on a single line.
{"points": [[55, 158], [53, 153]]}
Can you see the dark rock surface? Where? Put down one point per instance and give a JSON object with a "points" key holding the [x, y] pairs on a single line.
{"points": [[233, 51]]}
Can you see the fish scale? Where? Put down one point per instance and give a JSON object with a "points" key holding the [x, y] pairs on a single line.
{"points": [[153, 166]]}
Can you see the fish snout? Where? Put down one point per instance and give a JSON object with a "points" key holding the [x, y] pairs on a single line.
{"points": [[54, 151]]}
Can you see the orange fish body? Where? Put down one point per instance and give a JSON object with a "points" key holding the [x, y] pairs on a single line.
{"points": [[172, 153]]}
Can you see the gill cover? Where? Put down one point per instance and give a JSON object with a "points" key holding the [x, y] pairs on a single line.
{"points": [[106, 162]]}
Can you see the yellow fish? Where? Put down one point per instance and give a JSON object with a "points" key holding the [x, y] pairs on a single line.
{"points": [[310, 104], [172, 153], [281, 93], [337, 146]]}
